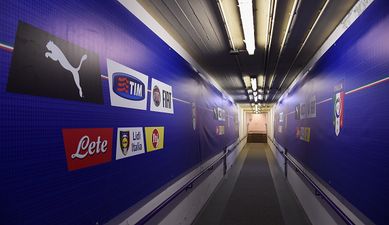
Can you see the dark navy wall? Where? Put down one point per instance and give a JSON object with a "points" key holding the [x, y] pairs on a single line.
{"points": [[356, 162], [36, 186]]}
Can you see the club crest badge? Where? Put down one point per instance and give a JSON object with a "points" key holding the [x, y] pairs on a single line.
{"points": [[338, 108], [156, 96], [124, 141]]}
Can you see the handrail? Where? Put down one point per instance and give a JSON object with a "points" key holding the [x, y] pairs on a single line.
{"points": [[318, 190], [186, 186]]}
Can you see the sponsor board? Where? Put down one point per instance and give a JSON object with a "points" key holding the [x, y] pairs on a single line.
{"points": [[281, 117], [161, 97], [85, 147], [127, 87], [194, 114], [338, 108], [307, 109], [303, 133], [215, 114], [129, 142], [303, 111], [221, 114], [297, 112], [220, 130], [45, 65], [312, 107], [154, 138]]}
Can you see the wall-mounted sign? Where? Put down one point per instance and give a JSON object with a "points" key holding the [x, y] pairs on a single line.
{"points": [[161, 97], [154, 138], [220, 130], [219, 114], [297, 112], [281, 117], [307, 109], [85, 147], [127, 87], [303, 133], [129, 142], [312, 107], [45, 65], [194, 115], [338, 108]]}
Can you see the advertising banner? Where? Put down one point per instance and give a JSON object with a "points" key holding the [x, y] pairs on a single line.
{"points": [[45, 65], [127, 87], [154, 138], [162, 97], [129, 142], [85, 147]]}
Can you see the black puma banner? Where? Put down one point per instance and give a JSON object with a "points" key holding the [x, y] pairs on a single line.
{"points": [[45, 65]]}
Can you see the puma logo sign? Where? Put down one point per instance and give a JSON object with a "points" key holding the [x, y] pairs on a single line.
{"points": [[56, 54]]}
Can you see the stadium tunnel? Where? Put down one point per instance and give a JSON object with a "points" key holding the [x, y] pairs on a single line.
{"points": [[194, 112]]}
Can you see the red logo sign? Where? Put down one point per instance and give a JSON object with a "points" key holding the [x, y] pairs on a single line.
{"points": [[155, 138], [87, 147]]}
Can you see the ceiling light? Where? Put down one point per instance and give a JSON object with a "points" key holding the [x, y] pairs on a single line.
{"points": [[288, 28], [254, 84], [255, 93], [293, 13], [303, 44], [261, 81], [250, 97], [255, 98], [246, 80], [247, 18]]}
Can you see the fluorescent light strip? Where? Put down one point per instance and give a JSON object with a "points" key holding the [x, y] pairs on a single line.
{"points": [[303, 44], [254, 84], [347, 21], [288, 28], [247, 18], [273, 16], [267, 26], [219, 4]]}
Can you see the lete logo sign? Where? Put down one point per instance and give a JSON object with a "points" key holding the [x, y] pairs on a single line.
{"points": [[87, 147]]}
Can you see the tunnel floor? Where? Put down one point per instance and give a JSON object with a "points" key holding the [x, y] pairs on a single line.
{"points": [[254, 191]]}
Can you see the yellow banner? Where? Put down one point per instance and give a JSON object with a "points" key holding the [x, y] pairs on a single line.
{"points": [[154, 138]]}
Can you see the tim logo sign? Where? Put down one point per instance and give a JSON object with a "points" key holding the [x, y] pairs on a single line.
{"points": [[127, 87], [87, 147]]}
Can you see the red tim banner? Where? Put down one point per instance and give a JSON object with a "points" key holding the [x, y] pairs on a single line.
{"points": [[85, 147]]}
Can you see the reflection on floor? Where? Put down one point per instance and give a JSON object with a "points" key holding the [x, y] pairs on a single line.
{"points": [[253, 192]]}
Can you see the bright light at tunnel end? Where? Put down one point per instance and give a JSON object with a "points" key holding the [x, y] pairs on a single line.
{"points": [[247, 18]]}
